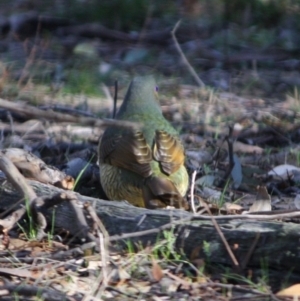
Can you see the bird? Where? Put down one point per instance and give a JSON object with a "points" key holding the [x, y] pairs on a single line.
{"points": [[144, 166]]}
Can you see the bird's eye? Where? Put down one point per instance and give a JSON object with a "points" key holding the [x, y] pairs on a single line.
{"points": [[156, 92]]}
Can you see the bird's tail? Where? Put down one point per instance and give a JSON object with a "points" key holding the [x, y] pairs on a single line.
{"points": [[160, 192]]}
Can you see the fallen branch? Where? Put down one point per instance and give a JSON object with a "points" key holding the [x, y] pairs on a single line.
{"points": [[96, 30], [34, 168], [18, 181], [33, 112]]}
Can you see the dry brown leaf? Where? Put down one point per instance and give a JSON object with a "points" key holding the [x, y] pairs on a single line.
{"points": [[263, 200], [232, 208], [157, 272], [239, 147], [292, 291], [19, 273], [195, 252], [17, 244]]}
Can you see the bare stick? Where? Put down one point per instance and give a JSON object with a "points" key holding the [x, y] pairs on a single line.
{"points": [[192, 191], [186, 62], [250, 251], [14, 176], [104, 257], [256, 217], [229, 140], [233, 258], [33, 112], [150, 231], [19, 182]]}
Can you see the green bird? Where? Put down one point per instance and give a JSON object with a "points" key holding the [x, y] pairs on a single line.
{"points": [[143, 166]]}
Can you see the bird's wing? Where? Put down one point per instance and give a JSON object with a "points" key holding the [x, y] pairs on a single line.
{"points": [[129, 151], [168, 151]]}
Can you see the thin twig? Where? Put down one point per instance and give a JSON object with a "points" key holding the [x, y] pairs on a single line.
{"points": [[33, 112], [16, 178], [104, 257], [186, 62], [115, 100], [250, 251], [231, 287], [103, 235], [147, 21], [67, 110], [150, 231], [233, 258], [192, 191], [229, 140], [255, 217]]}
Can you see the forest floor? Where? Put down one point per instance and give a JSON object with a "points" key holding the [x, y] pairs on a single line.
{"points": [[241, 108]]}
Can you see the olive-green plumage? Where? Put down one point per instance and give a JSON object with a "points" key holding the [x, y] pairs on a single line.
{"points": [[145, 166]]}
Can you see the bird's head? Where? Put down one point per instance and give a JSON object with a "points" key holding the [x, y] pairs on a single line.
{"points": [[141, 97]]}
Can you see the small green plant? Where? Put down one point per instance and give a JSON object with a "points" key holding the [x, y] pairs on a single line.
{"points": [[82, 81], [206, 248], [264, 271], [294, 99], [268, 151], [298, 158], [261, 285], [32, 231], [30, 235], [262, 282], [132, 252], [130, 247], [222, 199], [165, 248], [206, 168], [81, 173], [51, 233]]}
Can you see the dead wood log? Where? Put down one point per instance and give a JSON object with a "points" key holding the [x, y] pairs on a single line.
{"points": [[252, 239]]}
